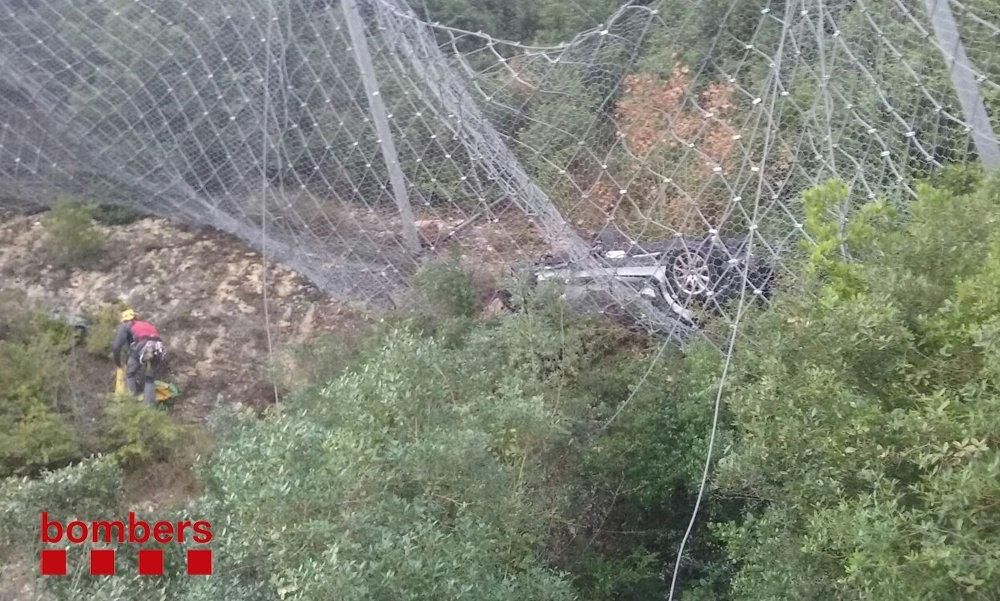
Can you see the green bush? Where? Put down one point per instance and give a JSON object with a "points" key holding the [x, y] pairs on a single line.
{"points": [[433, 466], [104, 323], [139, 434], [443, 302], [72, 239], [414, 474], [656, 446], [445, 290], [33, 376], [33, 436], [866, 409], [115, 215], [628, 576], [36, 395], [857, 458], [445, 466], [89, 489]]}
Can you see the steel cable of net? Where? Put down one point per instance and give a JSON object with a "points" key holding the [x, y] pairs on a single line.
{"points": [[263, 192], [774, 79], [163, 102], [711, 446], [479, 135]]}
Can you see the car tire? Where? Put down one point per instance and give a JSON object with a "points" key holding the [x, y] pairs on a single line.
{"points": [[690, 274]]}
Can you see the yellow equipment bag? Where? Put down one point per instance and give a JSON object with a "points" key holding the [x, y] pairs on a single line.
{"points": [[120, 387], [165, 391]]}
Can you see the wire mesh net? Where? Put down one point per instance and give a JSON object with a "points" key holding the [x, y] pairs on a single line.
{"points": [[656, 157]]}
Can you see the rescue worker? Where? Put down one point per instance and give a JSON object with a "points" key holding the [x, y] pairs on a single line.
{"points": [[145, 354]]}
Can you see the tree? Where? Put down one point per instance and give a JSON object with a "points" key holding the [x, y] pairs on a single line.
{"points": [[865, 409]]}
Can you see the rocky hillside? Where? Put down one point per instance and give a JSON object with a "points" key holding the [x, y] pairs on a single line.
{"points": [[202, 289]]}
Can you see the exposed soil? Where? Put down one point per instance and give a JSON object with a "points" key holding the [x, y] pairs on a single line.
{"points": [[202, 289]]}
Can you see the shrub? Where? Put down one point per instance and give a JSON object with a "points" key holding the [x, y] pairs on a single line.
{"points": [[89, 488], [139, 434], [72, 239], [865, 410], [32, 379], [443, 302], [657, 446], [36, 394], [104, 323], [33, 436], [425, 468], [452, 465], [115, 214], [418, 460], [629, 576], [445, 290]]}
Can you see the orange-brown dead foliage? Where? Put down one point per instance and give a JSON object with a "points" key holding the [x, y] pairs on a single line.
{"points": [[653, 116], [676, 138]]}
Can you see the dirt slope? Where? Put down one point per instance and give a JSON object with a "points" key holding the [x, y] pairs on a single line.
{"points": [[201, 288]]}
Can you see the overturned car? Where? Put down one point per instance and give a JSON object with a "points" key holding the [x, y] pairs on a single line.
{"points": [[683, 277]]}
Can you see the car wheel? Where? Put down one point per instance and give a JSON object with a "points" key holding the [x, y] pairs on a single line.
{"points": [[689, 273]]}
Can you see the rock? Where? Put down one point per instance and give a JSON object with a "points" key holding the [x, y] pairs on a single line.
{"points": [[285, 287], [431, 229], [495, 309]]}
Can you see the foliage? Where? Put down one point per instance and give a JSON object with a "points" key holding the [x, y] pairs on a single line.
{"points": [[654, 446], [446, 289], [38, 390], [89, 488], [425, 460], [92, 489], [455, 462], [444, 465], [443, 302], [71, 237], [865, 411], [141, 434], [550, 140], [104, 323], [115, 214], [32, 377], [545, 21], [632, 576], [546, 456], [34, 436]]}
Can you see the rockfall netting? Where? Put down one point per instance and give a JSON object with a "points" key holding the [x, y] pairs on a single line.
{"points": [[354, 139]]}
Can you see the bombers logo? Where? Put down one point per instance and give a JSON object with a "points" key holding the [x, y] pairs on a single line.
{"points": [[52, 562]]}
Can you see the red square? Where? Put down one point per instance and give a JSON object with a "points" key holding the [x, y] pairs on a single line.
{"points": [[53, 562], [199, 562], [102, 562], [151, 562]]}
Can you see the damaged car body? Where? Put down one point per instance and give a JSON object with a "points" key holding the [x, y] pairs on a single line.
{"points": [[683, 276]]}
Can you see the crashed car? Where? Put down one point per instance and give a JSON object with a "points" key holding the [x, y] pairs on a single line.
{"points": [[682, 276]]}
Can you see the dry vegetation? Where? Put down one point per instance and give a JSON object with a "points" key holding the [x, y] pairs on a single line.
{"points": [[683, 133]]}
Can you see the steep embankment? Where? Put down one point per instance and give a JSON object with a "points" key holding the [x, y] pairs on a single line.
{"points": [[203, 289]]}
